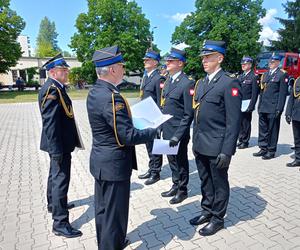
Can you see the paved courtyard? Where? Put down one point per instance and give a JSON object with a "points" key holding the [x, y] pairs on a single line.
{"points": [[263, 212]]}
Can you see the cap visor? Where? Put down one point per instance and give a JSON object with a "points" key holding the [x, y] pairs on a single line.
{"points": [[208, 52]]}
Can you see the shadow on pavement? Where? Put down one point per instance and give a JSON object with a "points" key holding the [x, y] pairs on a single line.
{"points": [[89, 214], [173, 223]]}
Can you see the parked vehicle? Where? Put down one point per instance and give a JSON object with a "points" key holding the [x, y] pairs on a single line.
{"points": [[290, 62]]}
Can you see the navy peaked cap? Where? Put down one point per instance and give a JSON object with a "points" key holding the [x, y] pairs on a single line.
{"points": [[211, 47], [107, 56], [56, 61], [176, 54], [152, 54], [246, 59], [276, 57]]}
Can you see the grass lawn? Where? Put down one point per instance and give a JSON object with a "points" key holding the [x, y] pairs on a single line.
{"points": [[31, 96]]}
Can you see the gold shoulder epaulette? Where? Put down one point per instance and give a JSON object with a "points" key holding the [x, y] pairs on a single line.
{"points": [[191, 78]]}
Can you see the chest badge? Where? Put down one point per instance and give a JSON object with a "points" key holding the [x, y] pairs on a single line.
{"points": [[234, 92], [192, 91]]}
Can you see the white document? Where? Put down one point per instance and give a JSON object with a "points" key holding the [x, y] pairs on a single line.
{"points": [[245, 105], [161, 147], [146, 114]]}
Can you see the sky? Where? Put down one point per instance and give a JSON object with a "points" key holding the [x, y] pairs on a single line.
{"points": [[164, 16]]}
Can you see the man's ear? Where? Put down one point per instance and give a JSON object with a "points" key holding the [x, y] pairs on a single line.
{"points": [[220, 58]]}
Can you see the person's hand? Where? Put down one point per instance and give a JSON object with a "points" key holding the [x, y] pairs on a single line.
{"points": [[277, 114], [288, 119], [57, 157], [173, 142], [222, 161], [158, 132]]}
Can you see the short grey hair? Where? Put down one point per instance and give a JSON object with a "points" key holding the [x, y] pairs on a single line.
{"points": [[102, 71]]}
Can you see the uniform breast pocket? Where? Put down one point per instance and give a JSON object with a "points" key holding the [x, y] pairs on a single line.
{"points": [[175, 96], [213, 99]]}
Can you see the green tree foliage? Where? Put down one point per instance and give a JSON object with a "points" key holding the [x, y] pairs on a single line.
{"points": [[46, 40], [31, 72], [234, 21], [85, 73], [11, 26], [112, 22], [289, 35]]}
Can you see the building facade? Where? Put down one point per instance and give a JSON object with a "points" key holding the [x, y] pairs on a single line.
{"points": [[26, 63]]}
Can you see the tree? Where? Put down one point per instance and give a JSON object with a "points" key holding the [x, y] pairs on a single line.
{"points": [[11, 26], [46, 40], [289, 35], [101, 27], [234, 21]]}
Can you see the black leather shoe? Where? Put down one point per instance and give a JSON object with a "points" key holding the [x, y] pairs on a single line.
{"points": [[198, 220], [243, 145], [211, 228], [295, 163], [145, 175], [178, 198], [260, 153], [69, 206], [239, 143], [172, 192], [153, 178], [67, 231], [268, 156]]}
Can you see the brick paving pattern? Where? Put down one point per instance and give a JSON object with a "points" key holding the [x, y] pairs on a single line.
{"points": [[263, 213]]}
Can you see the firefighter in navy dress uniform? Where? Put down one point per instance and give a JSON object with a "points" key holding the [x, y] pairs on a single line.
{"points": [[292, 114], [151, 87], [177, 101], [59, 138], [274, 87], [113, 153], [217, 104], [250, 89]]}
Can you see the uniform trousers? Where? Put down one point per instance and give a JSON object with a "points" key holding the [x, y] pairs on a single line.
{"points": [[111, 213], [296, 133], [57, 189], [245, 129], [179, 165], [155, 161], [214, 187], [268, 132]]}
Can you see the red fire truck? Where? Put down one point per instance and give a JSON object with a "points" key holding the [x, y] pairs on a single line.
{"points": [[290, 62]]}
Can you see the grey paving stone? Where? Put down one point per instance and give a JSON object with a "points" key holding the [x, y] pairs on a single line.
{"points": [[263, 211]]}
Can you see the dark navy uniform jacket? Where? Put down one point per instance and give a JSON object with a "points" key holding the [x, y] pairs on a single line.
{"points": [[59, 133], [113, 153], [177, 98], [293, 106], [151, 87], [249, 88], [217, 115], [273, 92]]}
